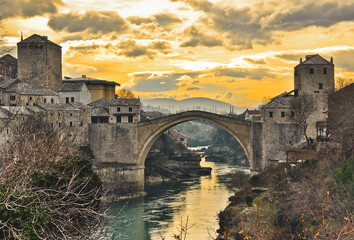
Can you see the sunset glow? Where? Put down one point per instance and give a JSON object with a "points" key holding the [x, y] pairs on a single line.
{"points": [[235, 51]]}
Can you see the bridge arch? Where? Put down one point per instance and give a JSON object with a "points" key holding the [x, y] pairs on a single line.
{"points": [[149, 131]]}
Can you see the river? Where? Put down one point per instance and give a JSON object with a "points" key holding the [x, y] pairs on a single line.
{"points": [[159, 215]]}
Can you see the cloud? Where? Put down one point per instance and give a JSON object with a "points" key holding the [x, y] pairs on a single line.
{"points": [[27, 9], [139, 20], [92, 22], [167, 19], [253, 61], [197, 37], [131, 48], [228, 95], [256, 74], [193, 88], [242, 27]]}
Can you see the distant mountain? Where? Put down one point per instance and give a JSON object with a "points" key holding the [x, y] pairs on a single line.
{"points": [[167, 105]]}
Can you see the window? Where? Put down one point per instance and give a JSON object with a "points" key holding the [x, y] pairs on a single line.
{"points": [[45, 100], [27, 104], [119, 119], [296, 93], [282, 114], [292, 114], [67, 99], [12, 97], [71, 124], [130, 119], [118, 109], [270, 114], [52, 114], [59, 114], [30, 98], [72, 99], [71, 114], [59, 124], [81, 124], [51, 125], [320, 86], [311, 70], [130, 109], [324, 70], [52, 100]]}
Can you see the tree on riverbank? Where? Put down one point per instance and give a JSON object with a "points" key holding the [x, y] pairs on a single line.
{"points": [[48, 189]]}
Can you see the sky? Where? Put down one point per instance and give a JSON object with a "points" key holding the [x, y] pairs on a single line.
{"points": [[236, 51]]}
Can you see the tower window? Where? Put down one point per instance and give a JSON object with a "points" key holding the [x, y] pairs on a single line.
{"points": [[320, 86], [270, 114], [282, 114], [312, 70], [324, 70]]}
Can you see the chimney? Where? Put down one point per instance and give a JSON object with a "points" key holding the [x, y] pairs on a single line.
{"points": [[300, 60], [83, 76], [331, 59], [21, 36], [309, 56]]}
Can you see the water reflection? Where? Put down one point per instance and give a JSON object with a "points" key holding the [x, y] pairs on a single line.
{"points": [[160, 213]]}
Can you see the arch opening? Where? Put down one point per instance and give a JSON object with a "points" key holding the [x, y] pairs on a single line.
{"points": [[164, 126]]}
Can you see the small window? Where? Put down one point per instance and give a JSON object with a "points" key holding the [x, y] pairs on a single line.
{"points": [[59, 124], [282, 114], [30, 98], [312, 70], [72, 99], [324, 70], [52, 114], [52, 100], [59, 114], [130, 119], [270, 114], [12, 97], [7, 131], [118, 119], [27, 104], [67, 99], [51, 125], [45, 100], [71, 124], [292, 114], [130, 109], [320, 86], [71, 114], [81, 124], [118, 109]]}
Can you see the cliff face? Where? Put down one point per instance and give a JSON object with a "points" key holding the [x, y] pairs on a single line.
{"points": [[169, 159]]}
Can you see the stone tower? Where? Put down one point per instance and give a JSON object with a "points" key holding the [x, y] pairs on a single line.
{"points": [[39, 62], [314, 80]]}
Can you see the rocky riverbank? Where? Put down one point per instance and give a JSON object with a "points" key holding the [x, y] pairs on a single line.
{"points": [[169, 160]]}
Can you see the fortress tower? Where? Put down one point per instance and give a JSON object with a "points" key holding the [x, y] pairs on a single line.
{"points": [[314, 80], [39, 62]]}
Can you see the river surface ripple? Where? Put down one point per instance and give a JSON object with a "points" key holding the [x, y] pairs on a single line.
{"points": [[160, 213]]}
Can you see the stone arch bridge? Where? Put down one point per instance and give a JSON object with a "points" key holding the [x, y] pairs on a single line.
{"points": [[120, 150]]}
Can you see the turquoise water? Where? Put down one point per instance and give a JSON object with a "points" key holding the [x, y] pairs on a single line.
{"points": [[159, 214]]}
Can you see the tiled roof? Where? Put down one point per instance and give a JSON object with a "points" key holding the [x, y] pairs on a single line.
{"points": [[253, 111], [99, 112], [104, 102], [26, 89], [315, 60], [71, 87], [21, 110], [79, 105], [35, 38], [8, 58], [4, 83], [282, 101], [88, 81], [4, 113], [56, 107]]}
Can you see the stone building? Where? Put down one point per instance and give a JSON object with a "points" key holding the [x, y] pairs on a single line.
{"points": [[98, 88], [39, 62], [116, 110], [22, 94], [71, 92], [8, 66]]}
